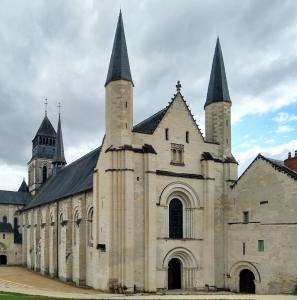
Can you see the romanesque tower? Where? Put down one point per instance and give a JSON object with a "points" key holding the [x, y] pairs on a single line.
{"points": [[218, 106], [119, 92], [40, 165]]}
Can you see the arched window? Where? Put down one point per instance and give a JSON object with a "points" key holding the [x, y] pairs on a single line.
{"points": [[90, 226], [175, 219], [4, 219], [75, 227], [44, 174]]}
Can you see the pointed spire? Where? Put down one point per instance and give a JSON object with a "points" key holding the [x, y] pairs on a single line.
{"points": [[59, 157], [119, 67], [218, 86], [23, 187]]}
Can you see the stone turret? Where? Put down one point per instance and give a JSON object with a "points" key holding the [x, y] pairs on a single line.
{"points": [[218, 106], [119, 92]]}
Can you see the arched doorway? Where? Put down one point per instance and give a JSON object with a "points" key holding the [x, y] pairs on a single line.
{"points": [[3, 260], [174, 274], [246, 282]]}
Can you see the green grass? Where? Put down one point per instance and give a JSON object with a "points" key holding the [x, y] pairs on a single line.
{"points": [[16, 296]]}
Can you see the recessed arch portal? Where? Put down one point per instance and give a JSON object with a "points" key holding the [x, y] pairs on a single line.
{"points": [[181, 261], [244, 277]]}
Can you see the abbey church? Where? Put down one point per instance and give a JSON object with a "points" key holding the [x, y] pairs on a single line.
{"points": [[157, 206]]}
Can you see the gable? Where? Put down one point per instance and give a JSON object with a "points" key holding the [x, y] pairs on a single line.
{"points": [[274, 164], [149, 125]]}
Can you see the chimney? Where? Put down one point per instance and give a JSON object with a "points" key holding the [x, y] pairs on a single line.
{"points": [[291, 161]]}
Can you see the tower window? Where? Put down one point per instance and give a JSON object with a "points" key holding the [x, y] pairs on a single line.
{"points": [[126, 104], [167, 134], [243, 248], [175, 219], [246, 217], [3, 236], [187, 137], [44, 174], [260, 245]]}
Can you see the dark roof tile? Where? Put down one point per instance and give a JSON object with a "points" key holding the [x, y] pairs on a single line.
{"points": [[15, 198], [119, 67], [75, 178], [218, 86]]}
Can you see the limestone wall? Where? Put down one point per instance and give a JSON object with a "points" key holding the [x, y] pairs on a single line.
{"points": [[270, 198]]}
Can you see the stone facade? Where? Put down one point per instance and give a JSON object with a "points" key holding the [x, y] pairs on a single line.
{"points": [[164, 209], [10, 243]]}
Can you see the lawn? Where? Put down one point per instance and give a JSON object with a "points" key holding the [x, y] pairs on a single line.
{"points": [[15, 296]]}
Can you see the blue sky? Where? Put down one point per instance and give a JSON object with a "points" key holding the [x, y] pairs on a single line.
{"points": [[271, 133]]}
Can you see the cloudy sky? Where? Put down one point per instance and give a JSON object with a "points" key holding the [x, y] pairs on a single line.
{"points": [[61, 50]]}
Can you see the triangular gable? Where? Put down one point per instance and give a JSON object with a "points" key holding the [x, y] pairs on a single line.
{"points": [[276, 164], [149, 125]]}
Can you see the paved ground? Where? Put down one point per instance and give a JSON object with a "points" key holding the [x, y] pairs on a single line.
{"points": [[21, 280]]}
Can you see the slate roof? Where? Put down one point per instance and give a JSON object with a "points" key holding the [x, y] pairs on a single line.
{"points": [[46, 128], [59, 156], [15, 198], [276, 164], [149, 125], [72, 179], [218, 86], [119, 67], [23, 187], [5, 227]]}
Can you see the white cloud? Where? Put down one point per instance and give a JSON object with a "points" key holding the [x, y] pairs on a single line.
{"points": [[284, 117], [284, 129], [11, 176], [278, 152]]}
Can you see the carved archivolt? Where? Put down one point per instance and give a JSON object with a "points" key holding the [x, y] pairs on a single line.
{"points": [[182, 191]]}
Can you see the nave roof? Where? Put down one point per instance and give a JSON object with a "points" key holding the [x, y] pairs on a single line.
{"points": [[75, 178]]}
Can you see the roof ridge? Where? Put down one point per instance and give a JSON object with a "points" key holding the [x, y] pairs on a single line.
{"points": [[80, 158], [281, 168]]}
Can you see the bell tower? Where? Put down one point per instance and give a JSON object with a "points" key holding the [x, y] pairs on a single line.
{"points": [[119, 92], [218, 106], [40, 166]]}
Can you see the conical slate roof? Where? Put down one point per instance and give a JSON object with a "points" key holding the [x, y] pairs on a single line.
{"points": [[218, 86], [46, 128], [23, 187], [119, 67], [59, 157]]}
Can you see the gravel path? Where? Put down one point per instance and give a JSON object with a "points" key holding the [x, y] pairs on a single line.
{"points": [[21, 280]]}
